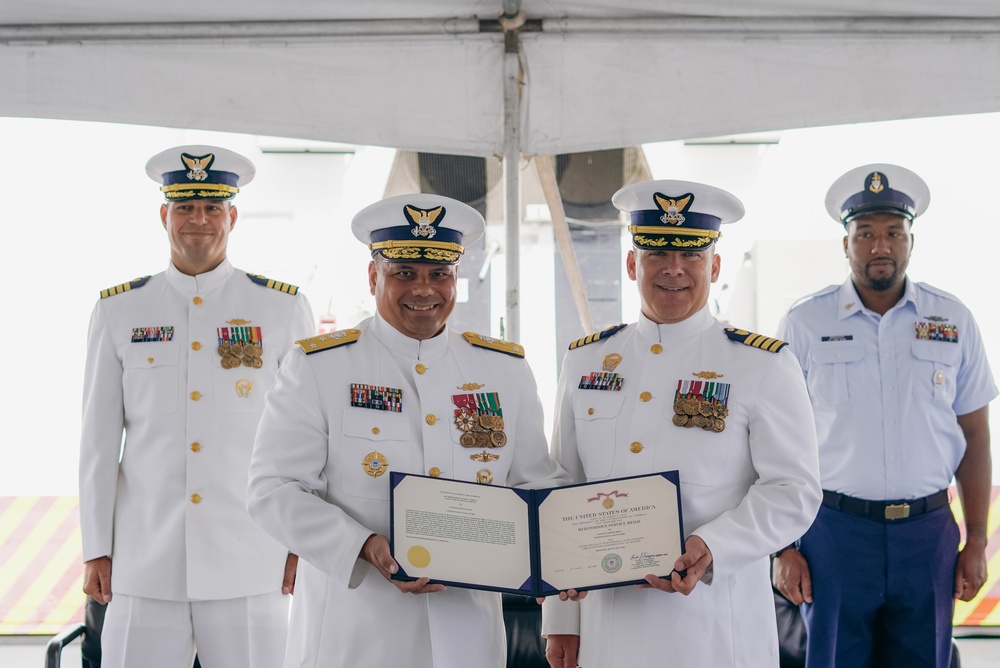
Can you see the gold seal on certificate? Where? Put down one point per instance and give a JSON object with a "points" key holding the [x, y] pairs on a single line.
{"points": [[537, 542]]}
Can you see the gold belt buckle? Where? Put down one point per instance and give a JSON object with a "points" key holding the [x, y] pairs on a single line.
{"points": [[897, 511]]}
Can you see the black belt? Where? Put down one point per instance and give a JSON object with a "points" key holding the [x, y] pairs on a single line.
{"points": [[884, 511]]}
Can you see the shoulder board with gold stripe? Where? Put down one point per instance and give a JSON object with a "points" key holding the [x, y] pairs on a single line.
{"points": [[124, 287], [597, 336], [499, 345], [341, 337], [273, 284], [755, 340]]}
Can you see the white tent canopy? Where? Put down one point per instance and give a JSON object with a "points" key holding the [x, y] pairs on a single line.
{"points": [[429, 75]]}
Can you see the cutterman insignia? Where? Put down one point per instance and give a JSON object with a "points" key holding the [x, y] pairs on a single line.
{"points": [[273, 284], [755, 340], [124, 287], [499, 345], [331, 340], [597, 336]]}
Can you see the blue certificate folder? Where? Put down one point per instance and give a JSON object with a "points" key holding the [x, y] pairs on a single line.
{"points": [[535, 542]]}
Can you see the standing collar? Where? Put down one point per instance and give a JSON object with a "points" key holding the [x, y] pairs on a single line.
{"points": [[405, 347], [201, 283], [650, 330]]}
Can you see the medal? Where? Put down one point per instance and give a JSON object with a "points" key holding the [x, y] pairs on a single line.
{"points": [[374, 463]]}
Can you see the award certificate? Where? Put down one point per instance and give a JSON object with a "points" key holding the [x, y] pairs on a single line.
{"points": [[535, 542]]}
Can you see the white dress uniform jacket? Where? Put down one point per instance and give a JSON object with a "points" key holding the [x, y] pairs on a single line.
{"points": [[189, 426], [310, 488], [746, 491]]}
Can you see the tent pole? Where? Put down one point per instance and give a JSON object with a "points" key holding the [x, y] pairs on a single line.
{"points": [[512, 183]]}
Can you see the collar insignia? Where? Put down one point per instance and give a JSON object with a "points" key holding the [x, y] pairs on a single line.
{"points": [[673, 208], [848, 307], [198, 166], [424, 220]]}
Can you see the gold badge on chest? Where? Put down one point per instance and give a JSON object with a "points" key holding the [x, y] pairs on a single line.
{"points": [[702, 404], [375, 464]]}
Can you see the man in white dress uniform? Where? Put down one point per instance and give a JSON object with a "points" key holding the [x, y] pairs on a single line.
{"points": [[725, 407], [400, 392], [180, 362]]}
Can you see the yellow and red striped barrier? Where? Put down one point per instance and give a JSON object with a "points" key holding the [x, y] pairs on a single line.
{"points": [[984, 609], [41, 567]]}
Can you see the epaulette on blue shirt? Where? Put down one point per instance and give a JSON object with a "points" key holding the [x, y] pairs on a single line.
{"points": [[499, 345], [597, 336], [330, 340], [755, 340], [273, 284], [124, 287]]}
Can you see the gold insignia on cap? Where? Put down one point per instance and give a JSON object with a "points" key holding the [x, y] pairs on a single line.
{"points": [[876, 184], [673, 208], [611, 361], [198, 166], [707, 374], [375, 464], [424, 220]]}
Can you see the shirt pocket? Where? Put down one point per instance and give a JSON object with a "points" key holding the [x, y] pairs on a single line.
{"points": [[596, 414], [700, 456], [149, 382], [369, 434], [836, 373], [935, 370], [241, 390]]}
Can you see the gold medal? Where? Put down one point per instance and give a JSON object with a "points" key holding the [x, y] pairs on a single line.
{"points": [[375, 464], [705, 409], [257, 362], [497, 423], [236, 349], [680, 419], [498, 439], [484, 477], [698, 421], [253, 350], [718, 425], [710, 424], [608, 502], [223, 349], [679, 408], [721, 411], [247, 360], [468, 440], [486, 421], [482, 439]]}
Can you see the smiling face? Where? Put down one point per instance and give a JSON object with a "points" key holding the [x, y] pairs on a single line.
{"points": [[199, 233], [414, 297], [878, 247], [673, 285]]}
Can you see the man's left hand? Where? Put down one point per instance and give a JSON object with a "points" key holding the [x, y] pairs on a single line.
{"points": [[696, 560], [970, 573], [291, 566]]}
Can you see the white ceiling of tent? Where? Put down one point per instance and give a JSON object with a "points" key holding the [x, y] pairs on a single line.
{"points": [[429, 76]]}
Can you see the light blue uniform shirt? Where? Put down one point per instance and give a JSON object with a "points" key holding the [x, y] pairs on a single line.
{"points": [[886, 389]]}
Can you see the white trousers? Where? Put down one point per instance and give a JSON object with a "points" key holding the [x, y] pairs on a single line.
{"points": [[232, 633]]}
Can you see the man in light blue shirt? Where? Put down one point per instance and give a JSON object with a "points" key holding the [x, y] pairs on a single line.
{"points": [[900, 387]]}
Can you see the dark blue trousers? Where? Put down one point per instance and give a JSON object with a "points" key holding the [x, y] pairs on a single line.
{"points": [[882, 592]]}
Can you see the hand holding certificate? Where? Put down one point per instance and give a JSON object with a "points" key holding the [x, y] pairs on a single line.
{"points": [[536, 542]]}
